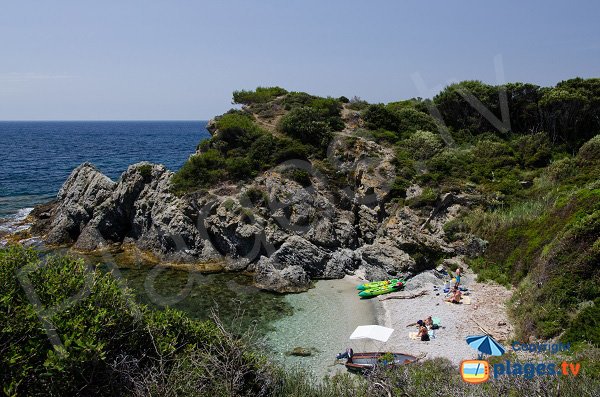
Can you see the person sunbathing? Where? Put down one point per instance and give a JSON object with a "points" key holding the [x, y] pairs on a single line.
{"points": [[456, 296], [428, 322], [423, 333]]}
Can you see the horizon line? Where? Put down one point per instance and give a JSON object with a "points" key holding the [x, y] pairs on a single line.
{"points": [[98, 120]]}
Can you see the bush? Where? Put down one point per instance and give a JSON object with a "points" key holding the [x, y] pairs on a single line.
{"points": [[308, 125], [145, 170], [452, 162], [423, 145], [298, 175], [562, 169], [104, 327], [200, 170], [427, 199], [260, 95], [533, 151], [590, 151], [382, 135], [412, 120], [379, 117]]}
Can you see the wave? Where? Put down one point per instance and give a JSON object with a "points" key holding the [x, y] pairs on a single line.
{"points": [[14, 223]]}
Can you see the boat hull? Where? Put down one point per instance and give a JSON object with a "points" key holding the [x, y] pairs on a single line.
{"points": [[362, 362]]}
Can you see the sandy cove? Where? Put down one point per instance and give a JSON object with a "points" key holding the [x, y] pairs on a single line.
{"points": [[487, 310]]}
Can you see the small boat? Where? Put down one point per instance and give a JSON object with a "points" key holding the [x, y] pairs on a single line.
{"points": [[384, 289], [362, 362], [376, 284]]}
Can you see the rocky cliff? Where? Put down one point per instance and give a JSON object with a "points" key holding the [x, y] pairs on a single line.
{"points": [[285, 233]]}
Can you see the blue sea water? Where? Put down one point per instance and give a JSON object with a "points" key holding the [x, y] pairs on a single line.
{"points": [[37, 157]]}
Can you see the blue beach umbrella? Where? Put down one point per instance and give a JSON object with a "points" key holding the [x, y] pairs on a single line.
{"points": [[486, 345]]}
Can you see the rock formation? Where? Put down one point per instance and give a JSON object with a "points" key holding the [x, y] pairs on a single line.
{"points": [[293, 235]]}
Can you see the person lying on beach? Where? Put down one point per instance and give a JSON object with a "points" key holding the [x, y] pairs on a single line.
{"points": [[429, 323], [456, 295], [423, 333]]}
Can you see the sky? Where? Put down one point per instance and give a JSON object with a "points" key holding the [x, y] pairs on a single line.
{"points": [[181, 60]]}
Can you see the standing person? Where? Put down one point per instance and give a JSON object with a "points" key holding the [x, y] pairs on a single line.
{"points": [[457, 277]]}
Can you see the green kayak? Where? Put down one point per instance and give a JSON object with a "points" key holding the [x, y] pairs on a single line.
{"points": [[377, 284], [381, 290]]}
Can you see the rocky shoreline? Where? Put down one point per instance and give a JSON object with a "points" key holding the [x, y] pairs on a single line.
{"points": [[285, 233]]}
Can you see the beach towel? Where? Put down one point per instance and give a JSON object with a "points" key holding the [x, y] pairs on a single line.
{"points": [[436, 321], [413, 336]]}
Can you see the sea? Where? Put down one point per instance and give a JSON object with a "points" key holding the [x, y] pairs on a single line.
{"points": [[36, 157]]}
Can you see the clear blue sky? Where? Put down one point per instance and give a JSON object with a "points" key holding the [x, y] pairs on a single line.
{"points": [[175, 59]]}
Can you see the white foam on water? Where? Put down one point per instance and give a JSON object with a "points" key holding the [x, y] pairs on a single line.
{"points": [[14, 223]]}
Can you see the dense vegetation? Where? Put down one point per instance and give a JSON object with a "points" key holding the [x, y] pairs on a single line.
{"points": [[246, 142], [110, 345]]}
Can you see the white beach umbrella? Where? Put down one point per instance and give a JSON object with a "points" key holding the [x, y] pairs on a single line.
{"points": [[375, 332]]}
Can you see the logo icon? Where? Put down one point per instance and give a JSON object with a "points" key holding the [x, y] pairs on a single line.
{"points": [[475, 371]]}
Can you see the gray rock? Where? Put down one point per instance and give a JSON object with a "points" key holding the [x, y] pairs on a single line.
{"points": [[384, 254], [297, 251], [342, 262], [367, 224], [235, 231], [81, 194], [289, 279]]}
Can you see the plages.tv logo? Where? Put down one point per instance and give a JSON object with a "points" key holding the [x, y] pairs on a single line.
{"points": [[475, 371], [479, 371]]}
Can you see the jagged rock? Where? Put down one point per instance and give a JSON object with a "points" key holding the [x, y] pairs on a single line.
{"points": [[384, 254], [367, 224], [85, 189], [299, 233], [333, 232], [235, 231], [297, 251], [288, 279], [342, 262], [471, 246], [413, 191]]}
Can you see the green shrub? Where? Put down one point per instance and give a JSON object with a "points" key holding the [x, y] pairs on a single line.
{"points": [[590, 151], [308, 125], [533, 150], [562, 169], [379, 117], [298, 175], [399, 186], [260, 95], [412, 120], [382, 135], [101, 328], [452, 162], [200, 170], [427, 199], [145, 170], [257, 196], [423, 145]]}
